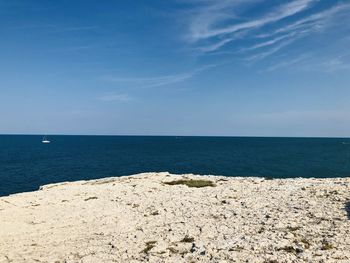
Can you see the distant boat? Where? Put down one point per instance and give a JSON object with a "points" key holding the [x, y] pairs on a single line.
{"points": [[45, 140]]}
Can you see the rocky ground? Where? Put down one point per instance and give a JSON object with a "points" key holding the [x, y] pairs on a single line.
{"points": [[141, 218]]}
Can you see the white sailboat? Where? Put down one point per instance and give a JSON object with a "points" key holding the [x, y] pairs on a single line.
{"points": [[45, 140]]}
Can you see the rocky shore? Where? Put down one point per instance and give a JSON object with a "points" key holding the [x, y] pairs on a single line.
{"points": [[159, 217]]}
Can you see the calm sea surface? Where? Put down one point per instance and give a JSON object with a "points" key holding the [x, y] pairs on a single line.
{"points": [[26, 163]]}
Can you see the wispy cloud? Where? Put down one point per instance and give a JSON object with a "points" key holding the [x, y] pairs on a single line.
{"points": [[158, 81], [211, 13], [150, 82], [225, 27], [115, 97], [268, 42], [215, 46], [314, 22], [269, 52], [287, 63], [336, 64], [331, 65], [205, 28]]}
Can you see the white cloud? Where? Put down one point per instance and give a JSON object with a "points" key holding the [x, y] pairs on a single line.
{"points": [[287, 63], [314, 22], [150, 82], [335, 64], [203, 26], [269, 52], [268, 43], [215, 46], [211, 13], [159, 81], [329, 65], [222, 27]]}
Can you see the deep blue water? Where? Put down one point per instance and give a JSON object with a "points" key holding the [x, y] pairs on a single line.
{"points": [[26, 163]]}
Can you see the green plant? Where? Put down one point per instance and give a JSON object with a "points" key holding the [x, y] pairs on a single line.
{"points": [[327, 246], [192, 183], [187, 239], [90, 198], [305, 242], [295, 228], [149, 246]]}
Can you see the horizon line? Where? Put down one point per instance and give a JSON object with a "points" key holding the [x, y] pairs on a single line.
{"points": [[170, 135]]}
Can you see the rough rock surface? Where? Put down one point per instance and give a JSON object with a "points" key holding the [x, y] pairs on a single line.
{"points": [[140, 219]]}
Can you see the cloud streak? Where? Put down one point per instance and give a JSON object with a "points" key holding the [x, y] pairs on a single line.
{"points": [[269, 52], [314, 22], [287, 63], [224, 27], [159, 81], [151, 82], [282, 12]]}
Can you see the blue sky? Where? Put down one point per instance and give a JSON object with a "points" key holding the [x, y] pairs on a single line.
{"points": [[177, 67]]}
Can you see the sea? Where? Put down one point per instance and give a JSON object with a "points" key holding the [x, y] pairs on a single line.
{"points": [[26, 163]]}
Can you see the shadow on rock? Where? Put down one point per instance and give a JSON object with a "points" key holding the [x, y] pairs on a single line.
{"points": [[347, 209]]}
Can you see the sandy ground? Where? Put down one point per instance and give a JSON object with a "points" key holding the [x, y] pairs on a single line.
{"points": [[140, 219]]}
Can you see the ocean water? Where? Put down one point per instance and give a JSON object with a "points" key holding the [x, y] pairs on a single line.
{"points": [[26, 163]]}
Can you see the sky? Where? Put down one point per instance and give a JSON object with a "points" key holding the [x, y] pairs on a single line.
{"points": [[175, 67]]}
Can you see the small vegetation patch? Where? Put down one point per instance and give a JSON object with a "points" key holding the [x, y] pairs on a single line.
{"points": [[261, 230], [293, 228], [221, 180], [236, 248], [90, 198], [173, 250], [192, 183], [187, 239], [305, 242], [149, 246], [288, 249], [327, 246]]}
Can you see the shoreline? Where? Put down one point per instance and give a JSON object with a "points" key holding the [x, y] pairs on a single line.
{"points": [[145, 217], [213, 176]]}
